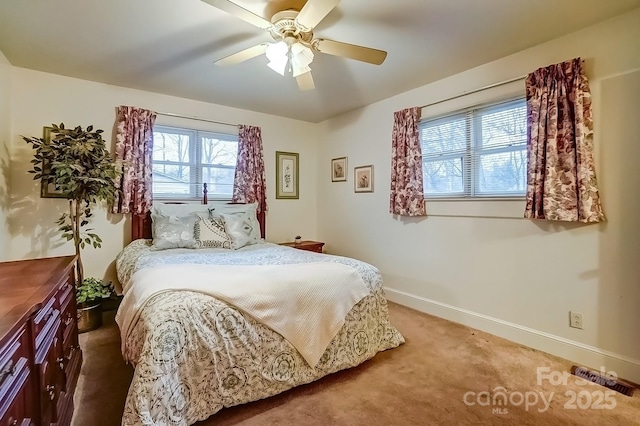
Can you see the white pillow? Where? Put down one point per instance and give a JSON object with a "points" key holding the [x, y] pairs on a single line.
{"points": [[210, 232], [242, 228], [165, 209], [183, 209], [226, 208]]}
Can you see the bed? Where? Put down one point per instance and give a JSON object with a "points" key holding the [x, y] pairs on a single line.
{"points": [[188, 329]]}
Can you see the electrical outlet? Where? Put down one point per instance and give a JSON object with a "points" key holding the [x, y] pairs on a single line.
{"points": [[575, 320]]}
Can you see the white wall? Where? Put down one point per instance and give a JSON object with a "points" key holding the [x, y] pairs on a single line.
{"points": [[514, 277], [5, 126], [39, 99]]}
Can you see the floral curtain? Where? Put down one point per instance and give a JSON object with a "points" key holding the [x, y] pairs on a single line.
{"points": [[407, 194], [561, 178], [134, 150], [249, 185]]}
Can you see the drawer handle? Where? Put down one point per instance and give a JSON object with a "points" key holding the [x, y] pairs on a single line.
{"points": [[68, 320], [52, 392], [8, 371], [60, 362]]}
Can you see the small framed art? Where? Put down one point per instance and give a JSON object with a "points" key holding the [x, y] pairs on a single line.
{"points": [[48, 189], [287, 175], [363, 179], [339, 169]]}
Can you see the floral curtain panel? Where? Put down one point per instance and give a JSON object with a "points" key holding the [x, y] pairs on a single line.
{"points": [[561, 178], [249, 185], [407, 192], [134, 151]]}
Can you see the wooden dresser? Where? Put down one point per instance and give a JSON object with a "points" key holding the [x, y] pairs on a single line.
{"points": [[39, 354]]}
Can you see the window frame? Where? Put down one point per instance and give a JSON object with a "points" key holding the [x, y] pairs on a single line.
{"points": [[195, 164], [471, 163]]}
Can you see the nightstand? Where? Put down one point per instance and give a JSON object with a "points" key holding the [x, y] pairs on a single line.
{"points": [[306, 245]]}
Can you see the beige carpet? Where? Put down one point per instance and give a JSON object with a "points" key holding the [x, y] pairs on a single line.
{"points": [[423, 382]]}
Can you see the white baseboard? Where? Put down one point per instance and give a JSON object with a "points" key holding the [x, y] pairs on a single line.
{"points": [[579, 353]]}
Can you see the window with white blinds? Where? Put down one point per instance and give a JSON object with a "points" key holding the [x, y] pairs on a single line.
{"points": [[185, 158], [478, 152]]}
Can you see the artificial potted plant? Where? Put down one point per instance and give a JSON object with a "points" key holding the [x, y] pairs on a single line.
{"points": [[89, 295], [76, 161]]}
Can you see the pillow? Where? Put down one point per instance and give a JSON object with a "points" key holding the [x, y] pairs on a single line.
{"points": [[242, 228], [216, 209], [210, 233], [173, 231], [165, 209]]}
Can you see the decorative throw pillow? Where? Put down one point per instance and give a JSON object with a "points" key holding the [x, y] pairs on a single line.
{"points": [[209, 232], [173, 231], [242, 228]]}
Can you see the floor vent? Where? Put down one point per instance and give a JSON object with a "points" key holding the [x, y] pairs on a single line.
{"points": [[599, 379]]}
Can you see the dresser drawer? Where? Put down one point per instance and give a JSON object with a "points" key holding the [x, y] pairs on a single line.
{"points": [[71, 370], [51, 381], [16, 404], [65, 295], [13, 356], [44, 319], [68, 314]]}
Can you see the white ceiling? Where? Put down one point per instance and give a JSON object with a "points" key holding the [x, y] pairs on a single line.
{"points": [[169, 46]]}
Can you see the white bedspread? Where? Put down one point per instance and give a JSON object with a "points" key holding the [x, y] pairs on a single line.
{"points": [[306, 303]]}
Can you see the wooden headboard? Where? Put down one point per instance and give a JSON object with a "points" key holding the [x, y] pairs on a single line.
{"points": [[141, 224]]}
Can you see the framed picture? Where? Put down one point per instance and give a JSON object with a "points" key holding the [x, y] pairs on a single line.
{"points": [[363, 179], [48, 189], [339, 169], [287, 175]]}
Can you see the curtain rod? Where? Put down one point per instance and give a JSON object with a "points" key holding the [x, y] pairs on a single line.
{"points": [[170, 114], [491, 86]]}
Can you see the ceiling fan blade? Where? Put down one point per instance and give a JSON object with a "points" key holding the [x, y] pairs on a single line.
{"points": [[351, 51], [240, 12], [242, 56], [314, 11], [305, 81]]}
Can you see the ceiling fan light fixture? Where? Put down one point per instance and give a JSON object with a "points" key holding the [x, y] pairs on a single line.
{"points": [[278, 55], [295, 41], [297, 69], [301, 58], [301, 54], [276, 51], [279, 66]]}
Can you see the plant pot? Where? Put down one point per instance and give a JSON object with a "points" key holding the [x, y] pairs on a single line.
{"points": [[89, 316]]}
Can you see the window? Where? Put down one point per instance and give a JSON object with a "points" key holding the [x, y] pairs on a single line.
{"points": [[479, 152], [184, 159]]}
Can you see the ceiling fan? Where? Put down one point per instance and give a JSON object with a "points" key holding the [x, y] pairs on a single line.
{"points": [[295, 43]]}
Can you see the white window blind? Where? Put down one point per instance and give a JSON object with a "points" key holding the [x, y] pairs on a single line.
{"points": [[184, 159], [478, 152]]}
